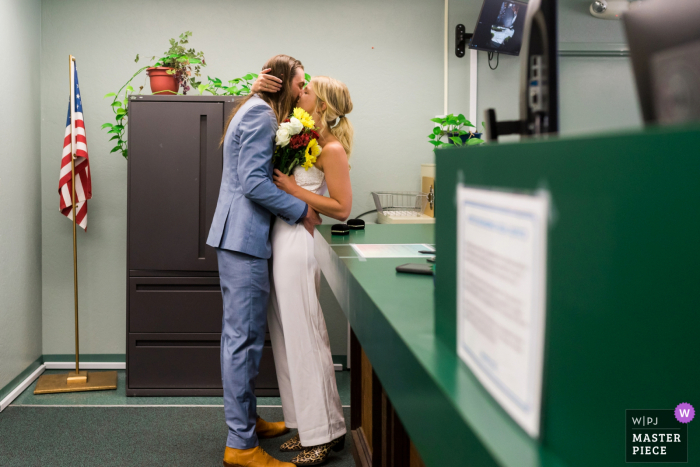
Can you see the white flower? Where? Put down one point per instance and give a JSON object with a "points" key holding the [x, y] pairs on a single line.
{"points": [[295, 126], [283, 136]]}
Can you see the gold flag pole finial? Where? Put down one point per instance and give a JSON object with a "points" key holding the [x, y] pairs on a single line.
{"points": [[76, 380]]}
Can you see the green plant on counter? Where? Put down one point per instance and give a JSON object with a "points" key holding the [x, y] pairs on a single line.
{"points": [[452, 127]]}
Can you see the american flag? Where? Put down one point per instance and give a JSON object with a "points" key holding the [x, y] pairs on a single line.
{"points": [[83, 186]]}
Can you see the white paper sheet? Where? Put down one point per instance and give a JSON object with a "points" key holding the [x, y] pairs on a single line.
{"points": [[502, 245], [405, 250]]}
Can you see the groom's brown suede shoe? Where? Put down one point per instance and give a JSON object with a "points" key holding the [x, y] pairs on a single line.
{"points": [[254, 457], [266, 429]]}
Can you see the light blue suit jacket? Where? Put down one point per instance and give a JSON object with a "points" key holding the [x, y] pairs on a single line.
{"points": [[248, 198]]}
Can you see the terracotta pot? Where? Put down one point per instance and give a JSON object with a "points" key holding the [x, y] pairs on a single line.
{"points": [[161, 81]]}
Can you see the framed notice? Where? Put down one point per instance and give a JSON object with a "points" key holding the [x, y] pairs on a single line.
{"points": [[501, 290]]}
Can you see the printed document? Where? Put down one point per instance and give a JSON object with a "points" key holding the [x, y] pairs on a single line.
{"points": [[501, 274], [406, 250]]}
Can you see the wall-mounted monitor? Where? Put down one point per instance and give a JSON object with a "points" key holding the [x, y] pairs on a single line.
{"points": [[500, 27]]}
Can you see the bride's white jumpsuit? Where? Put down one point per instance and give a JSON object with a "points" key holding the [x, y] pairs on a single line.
{"points": [[303, 359]]}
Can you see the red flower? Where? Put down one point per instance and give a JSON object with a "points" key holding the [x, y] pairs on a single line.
{"points": [[314, 134], [299, 141]]}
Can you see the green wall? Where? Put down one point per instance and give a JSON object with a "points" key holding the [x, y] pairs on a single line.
{"points": [[20, 191]]}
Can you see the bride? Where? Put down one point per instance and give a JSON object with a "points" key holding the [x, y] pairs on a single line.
{"points": [[305, 371]]}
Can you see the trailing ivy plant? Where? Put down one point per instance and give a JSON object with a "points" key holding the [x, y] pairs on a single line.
{"points": [[119, 107], [453, 128]]}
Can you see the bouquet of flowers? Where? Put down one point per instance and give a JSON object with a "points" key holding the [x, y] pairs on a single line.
{"points": [[296, 142]]}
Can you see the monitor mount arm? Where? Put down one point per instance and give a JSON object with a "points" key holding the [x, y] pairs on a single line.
{"points": [[538, 116]]}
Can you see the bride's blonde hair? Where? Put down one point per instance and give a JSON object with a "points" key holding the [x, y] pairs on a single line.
{"points": [[338, 105]]}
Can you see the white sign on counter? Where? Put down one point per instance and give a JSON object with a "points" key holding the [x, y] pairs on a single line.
{"points": [[501, 273]]}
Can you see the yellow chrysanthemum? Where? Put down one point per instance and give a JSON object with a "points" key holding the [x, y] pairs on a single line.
{"points": [[312, 152], [303, 116]]}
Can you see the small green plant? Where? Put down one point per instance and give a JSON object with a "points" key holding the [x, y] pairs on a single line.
{"points": [[452, 127]]}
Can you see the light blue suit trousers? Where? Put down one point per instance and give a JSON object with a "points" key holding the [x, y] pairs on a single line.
{"points": [[245, 287]]}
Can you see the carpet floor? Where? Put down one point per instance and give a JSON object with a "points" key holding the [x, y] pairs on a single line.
{"points": [[128, 436]]}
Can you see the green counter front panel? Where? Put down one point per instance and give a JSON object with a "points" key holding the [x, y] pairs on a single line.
{"points": [[449, 417], [623, 277]]}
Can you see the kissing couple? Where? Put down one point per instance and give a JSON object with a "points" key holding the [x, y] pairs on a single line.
{"points": [[268, 271]]}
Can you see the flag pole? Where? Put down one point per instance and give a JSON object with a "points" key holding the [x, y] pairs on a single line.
{"points": [[75, 380], [77, 377]]}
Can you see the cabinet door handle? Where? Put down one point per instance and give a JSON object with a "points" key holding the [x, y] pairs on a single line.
{"points": [[202, 185]]}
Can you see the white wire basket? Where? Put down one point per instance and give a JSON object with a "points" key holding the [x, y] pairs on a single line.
{"points": [[400, 203]]}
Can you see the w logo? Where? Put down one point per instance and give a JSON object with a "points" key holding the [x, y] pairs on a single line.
{"points": [[684, 412]]}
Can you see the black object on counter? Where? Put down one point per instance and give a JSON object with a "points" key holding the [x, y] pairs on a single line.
{"points": [[340, 229], [356, 224], [414, 268]]}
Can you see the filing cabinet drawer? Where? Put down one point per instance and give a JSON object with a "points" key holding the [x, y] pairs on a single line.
{"points": [[185, 361], [175, 304]]}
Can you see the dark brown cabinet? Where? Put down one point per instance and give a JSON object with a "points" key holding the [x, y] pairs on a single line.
{"points": [[174, 305]]}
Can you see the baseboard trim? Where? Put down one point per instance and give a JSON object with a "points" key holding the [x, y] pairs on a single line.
{"points": [[21, 387], [85, 357], [86, 365], [340, 362]]}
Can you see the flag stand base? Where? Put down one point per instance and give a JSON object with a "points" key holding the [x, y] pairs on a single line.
{"points": [[70, 382]]}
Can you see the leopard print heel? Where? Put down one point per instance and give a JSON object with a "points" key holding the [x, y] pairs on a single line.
{"points": [[317, 455], [292, 444]]}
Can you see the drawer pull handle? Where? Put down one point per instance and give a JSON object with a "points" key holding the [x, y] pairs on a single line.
{"points": [[178, 288], [155, 343]]}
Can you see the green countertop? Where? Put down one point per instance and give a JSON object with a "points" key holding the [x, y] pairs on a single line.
{"points": [[450, 418]]}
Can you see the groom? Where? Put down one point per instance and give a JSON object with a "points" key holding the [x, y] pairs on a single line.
{"points": [[240, 233]]}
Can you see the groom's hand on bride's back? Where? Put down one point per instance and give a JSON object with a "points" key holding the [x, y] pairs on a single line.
{"points": [[267, 83], [311, 220]]}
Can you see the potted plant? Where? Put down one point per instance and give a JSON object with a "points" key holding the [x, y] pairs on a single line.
{"points": [[167, 75], [452, 128], [175, 68]]}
